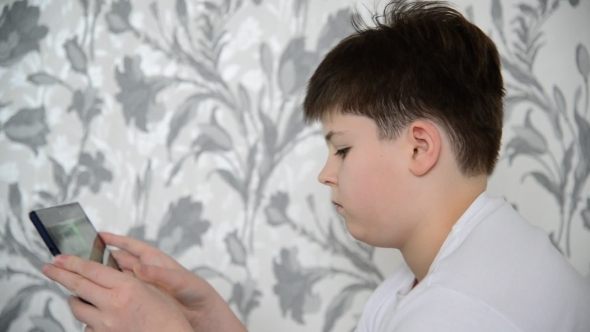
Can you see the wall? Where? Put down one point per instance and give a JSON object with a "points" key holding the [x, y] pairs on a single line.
{"points": [[179, 123]]}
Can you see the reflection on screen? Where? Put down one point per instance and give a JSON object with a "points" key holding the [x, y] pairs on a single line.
{"points": [[78, 237]]}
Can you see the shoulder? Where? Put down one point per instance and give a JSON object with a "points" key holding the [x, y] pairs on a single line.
{"points": [[443, 309], [509, 265], [385, 299]]}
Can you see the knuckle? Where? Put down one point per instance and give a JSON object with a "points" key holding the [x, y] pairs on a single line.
{"points": [[124, 242], [74, 305], [97, 274], [77, 285]]}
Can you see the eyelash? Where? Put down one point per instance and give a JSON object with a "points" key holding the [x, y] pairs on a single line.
{"points": [[342, 152]]}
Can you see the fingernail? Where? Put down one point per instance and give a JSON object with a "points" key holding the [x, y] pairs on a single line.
{"points": [[58, 260]]}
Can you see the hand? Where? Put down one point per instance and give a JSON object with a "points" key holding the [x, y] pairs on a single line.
{"points": [[133, 251], [119, 302], [201, 305]]}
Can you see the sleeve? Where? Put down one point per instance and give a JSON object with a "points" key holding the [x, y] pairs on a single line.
{"points": [[440, 309]]}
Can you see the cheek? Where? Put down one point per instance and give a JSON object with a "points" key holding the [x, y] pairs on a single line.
{"points": [[366, 184]]}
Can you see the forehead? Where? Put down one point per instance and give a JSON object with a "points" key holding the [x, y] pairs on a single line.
{"points": [[336, 125], [336, 121]]}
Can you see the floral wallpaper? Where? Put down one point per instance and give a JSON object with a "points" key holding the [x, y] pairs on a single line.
{"points": [[179, 123]]}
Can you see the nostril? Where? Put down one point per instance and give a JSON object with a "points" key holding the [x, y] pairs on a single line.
{"points": [[321, 179]]}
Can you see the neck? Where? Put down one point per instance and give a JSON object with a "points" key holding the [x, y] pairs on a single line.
{"points": [[446, 205]]}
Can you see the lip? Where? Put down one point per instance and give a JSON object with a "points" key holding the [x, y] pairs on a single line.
{"points": [[338, 206]]}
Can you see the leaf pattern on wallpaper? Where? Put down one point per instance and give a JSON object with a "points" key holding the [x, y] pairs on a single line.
{"points": [[118, 17], [29, 127], [524, 87], [586, 215], [34, 255], [246, 297], [299, 300], [20, 32], [15, 200], [341, 304], [171, 74], [76, 56], [87, 104]]}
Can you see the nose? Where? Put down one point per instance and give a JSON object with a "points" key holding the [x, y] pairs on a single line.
{"points": [[327, 175]]}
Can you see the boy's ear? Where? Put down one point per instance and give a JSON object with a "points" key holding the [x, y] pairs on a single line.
{"points": [[425, 139]]}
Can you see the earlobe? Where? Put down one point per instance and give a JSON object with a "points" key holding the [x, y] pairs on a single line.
{"points": [[425, 140]]}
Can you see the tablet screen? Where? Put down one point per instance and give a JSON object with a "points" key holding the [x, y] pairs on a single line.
{"points": [[73, 233]]}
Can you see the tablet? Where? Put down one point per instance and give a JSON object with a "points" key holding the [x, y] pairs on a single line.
{"points": [[66, 229]]}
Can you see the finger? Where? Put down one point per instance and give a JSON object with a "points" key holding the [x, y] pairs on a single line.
{"points": [[147, 253], [76, 284], [176, 282], [129, 272], [124, 259], [97, 273], [131, 245], [83, 312]]}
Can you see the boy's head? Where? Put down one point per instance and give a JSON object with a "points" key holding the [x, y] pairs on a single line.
{"points": [[422, 60]]}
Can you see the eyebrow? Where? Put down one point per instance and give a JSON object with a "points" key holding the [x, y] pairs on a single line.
{"points": [[331, 134]]}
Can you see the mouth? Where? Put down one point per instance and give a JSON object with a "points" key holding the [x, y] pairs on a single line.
{"points": [[338, 206]]}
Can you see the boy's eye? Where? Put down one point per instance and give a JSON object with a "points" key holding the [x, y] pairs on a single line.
{"points": [[342, 152]]}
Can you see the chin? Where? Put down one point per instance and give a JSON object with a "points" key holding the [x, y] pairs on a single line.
{"points": [[361, 234], [357, 233]]}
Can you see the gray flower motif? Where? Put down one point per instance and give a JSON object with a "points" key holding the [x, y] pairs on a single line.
{"points": [[245, 296], [586, 215], [583, 61], [118, 17], [295, 67], [20, 32], [87, 104], [337, 28], [276, 211], [138, 94], [93, 172], [182, 226], [28, 127], [294, 286]]}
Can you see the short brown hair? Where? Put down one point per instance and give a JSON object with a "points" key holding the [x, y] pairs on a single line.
{"points": [[422, 60]]}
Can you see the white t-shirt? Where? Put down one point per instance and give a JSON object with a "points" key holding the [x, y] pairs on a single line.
{"points": [[494, 272]]}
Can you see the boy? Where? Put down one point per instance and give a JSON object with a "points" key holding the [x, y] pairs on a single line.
{"points": [[412, 114]]}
